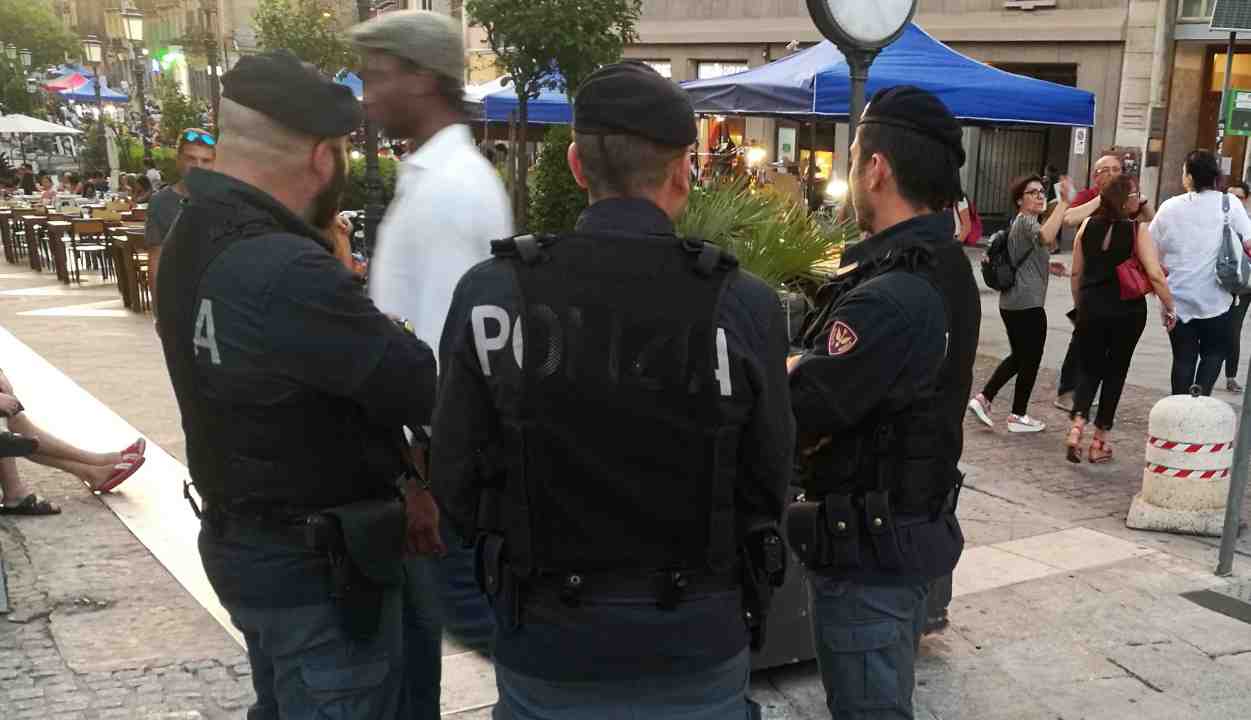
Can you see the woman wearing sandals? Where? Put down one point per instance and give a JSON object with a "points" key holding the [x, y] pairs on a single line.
{"points": [[1108, 327], [1022, 308], [100, 472]]}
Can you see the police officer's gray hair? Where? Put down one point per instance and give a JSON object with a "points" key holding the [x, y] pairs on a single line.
{"points": [[624, 165]]}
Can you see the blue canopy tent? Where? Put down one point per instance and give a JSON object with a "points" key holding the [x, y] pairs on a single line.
{"points": [[87, 93], [551, 107], [350, 80], [783, 87], [815, 84], [973, 91]]}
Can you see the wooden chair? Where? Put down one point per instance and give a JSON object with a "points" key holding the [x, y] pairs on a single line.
{"points": [[89, 240], [6, 235], [141, 295]]}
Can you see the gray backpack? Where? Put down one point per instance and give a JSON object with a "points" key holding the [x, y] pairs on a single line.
{"points": [[1233, 267]]}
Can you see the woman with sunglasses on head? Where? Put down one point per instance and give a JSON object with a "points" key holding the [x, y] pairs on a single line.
{"points": [[196, 149], [1108, 328], [1022, 308], [1187, 231]]}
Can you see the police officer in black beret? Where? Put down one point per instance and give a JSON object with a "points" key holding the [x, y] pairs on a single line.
{"points": [[294, 391], [621, 434], [879, 396]]}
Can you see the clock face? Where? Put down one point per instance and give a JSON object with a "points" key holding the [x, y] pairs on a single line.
{"points": [[873, 21]]}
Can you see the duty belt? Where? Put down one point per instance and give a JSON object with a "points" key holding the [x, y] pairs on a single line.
{"points": [[668, 588]]}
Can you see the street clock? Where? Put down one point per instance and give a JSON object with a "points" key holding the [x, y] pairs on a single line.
{"points": [[859, 24]]}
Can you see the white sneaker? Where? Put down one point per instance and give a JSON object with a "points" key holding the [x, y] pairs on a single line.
{"points": [[1025, 424], [981, 409]]}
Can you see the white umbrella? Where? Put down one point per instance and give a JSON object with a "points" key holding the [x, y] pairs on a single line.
{"points": [[28, 125]]}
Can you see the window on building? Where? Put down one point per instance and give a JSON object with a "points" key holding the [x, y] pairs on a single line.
{"points": [[664, 67], [1195, 8], [710, 70]]}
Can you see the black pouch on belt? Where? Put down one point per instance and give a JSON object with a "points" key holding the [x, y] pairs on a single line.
{"points": [[801, 525], [842, 530], [881, 527], [365, 544]]}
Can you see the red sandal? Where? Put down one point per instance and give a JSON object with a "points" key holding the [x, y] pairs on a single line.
{"points": [[1100, 452], [135, 451], [121, 473]]}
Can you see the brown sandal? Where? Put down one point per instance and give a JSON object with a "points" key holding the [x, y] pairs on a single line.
{"points": [[1074, 442], [1100, 452], [32, 504]]}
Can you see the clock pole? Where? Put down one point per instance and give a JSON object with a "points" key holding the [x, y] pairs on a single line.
{"points": [[858, 61]]}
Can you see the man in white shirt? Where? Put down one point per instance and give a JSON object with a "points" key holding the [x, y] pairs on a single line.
{"points": [[449, 205]]}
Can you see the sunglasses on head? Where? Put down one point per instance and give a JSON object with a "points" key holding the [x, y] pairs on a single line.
{"points": [[198, 136]]}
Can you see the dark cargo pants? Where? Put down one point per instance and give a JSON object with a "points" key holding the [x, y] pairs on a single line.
{"points": [[867, 638]]}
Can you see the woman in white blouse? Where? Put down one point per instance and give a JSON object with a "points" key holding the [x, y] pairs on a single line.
{"points": [[1188, 230]]}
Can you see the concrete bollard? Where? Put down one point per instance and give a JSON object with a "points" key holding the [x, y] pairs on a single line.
{"points": [[1190, 447]]}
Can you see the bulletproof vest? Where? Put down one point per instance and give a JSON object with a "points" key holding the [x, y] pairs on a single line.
{"points": [[900, 452], [308, 452], [618, 457]]}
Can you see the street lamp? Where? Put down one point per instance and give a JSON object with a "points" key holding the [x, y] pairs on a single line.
{"points": [[93, 53], [210, 35], [26, 57], [132, 21], [10, 51], [373, 177]]}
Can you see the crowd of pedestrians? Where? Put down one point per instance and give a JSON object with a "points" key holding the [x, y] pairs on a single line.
{"points": [[1122, 252]]}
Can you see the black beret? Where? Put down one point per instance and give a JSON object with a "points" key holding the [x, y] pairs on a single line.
{"points": [[631, 98], [912, 108], [293, 94]]}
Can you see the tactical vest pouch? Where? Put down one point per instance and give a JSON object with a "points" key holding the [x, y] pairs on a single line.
{"points": [[881, 527], [364, 542], [842, 529]]}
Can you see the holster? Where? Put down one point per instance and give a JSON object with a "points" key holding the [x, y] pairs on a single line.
{"points": [[764, 570], [495, 580], [364, 542]]}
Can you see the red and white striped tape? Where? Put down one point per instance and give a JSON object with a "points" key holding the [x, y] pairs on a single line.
{"points": [[1192, 474], [1192, 448]]}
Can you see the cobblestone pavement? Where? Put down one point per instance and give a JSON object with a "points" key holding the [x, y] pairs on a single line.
{"points": [[99, 629]]}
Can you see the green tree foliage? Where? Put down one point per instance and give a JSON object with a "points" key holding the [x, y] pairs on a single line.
{"points": [[557, 200], [532, 38], [773, 237], [178, 112], [308, 28], [354, 196], [33, 25]]}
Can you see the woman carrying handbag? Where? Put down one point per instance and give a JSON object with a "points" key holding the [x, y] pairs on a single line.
{"points": [[1115, 266]]}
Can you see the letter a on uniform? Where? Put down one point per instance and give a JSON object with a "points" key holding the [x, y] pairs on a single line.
{"points": [[842, 339], [206, 333]]}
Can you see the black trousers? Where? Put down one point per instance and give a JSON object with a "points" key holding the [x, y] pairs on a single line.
{"points": [[1027, 335], [1199, 350], [1069, 370], [1237, 314], [1107, 346]]}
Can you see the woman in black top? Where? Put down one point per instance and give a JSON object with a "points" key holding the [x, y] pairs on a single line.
{"points": [[1108, 327]]}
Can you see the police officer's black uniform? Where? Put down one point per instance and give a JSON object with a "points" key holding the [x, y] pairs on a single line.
{"points": [[879, 401], [293, 390], [616, 476]]}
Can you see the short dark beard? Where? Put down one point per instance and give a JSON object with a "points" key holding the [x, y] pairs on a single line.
{"points": [[326, 204]]}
